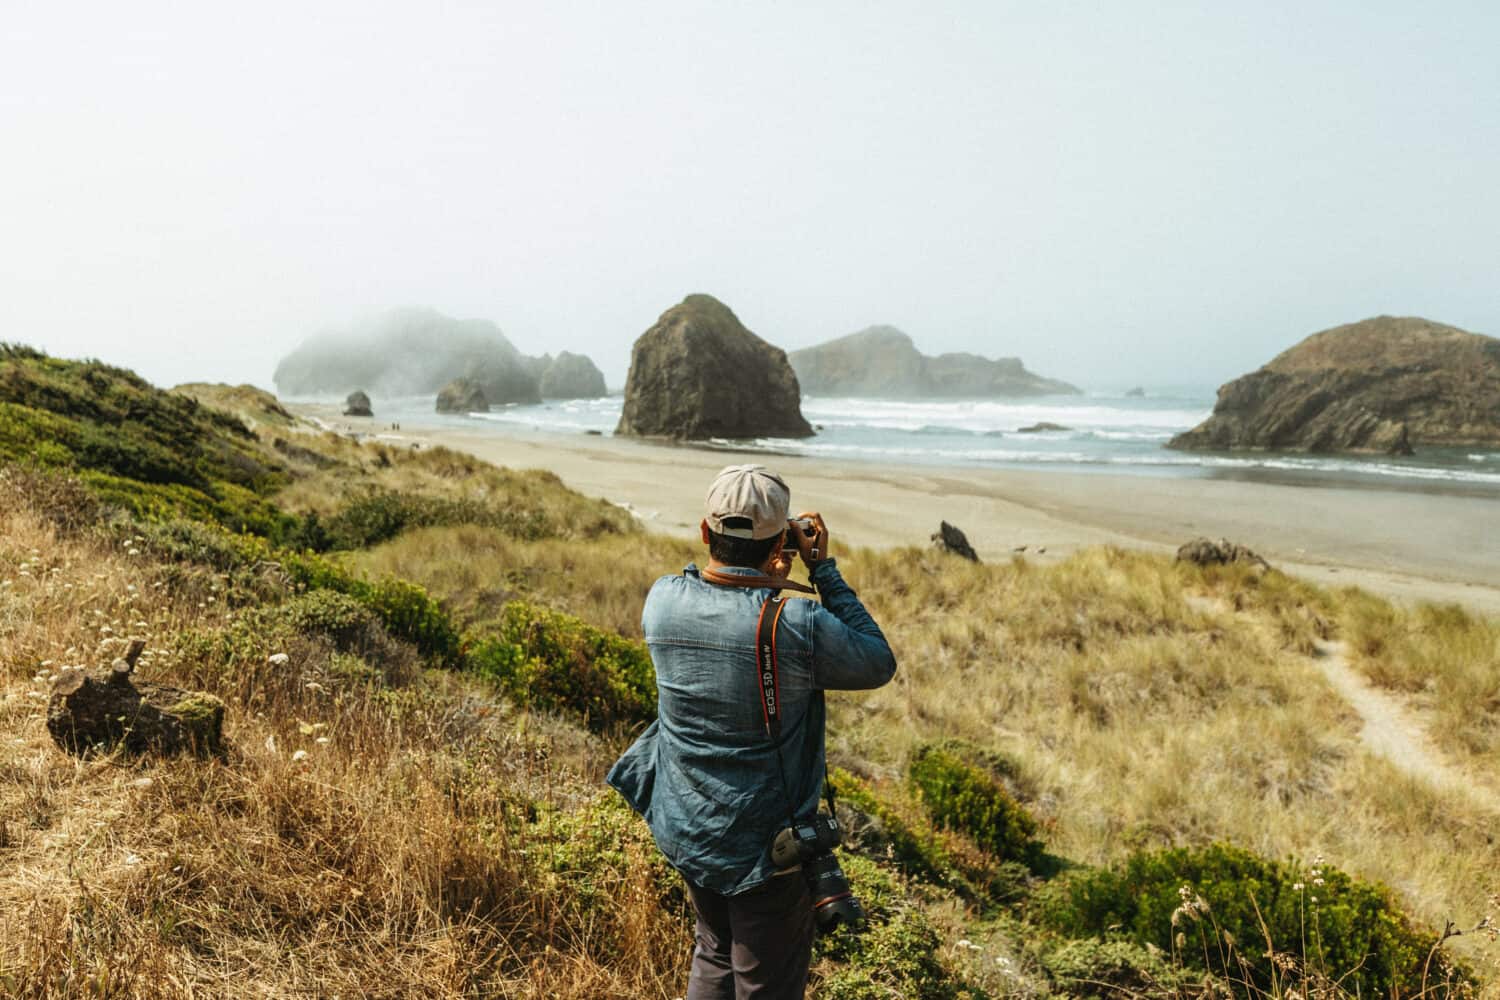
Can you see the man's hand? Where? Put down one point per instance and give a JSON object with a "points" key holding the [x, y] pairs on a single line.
{"points": [[814, 547]]}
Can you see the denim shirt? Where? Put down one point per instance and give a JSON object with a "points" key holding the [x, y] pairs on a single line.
{"points": [[705, 775]]}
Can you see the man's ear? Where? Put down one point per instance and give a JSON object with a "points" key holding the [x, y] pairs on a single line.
{"points": [[703, 527]]}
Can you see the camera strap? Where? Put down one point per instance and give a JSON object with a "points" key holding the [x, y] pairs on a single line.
{"points": [[770, 693], [745, 580], [765, 664]]}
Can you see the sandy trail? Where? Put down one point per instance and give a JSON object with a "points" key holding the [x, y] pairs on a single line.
{"points": [[1389, 730]]}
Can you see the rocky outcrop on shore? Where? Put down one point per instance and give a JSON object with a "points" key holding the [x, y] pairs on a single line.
{"points": [[358, 404], [571, 376], [413, 351], [1384, 386], [882, 362], [462, 395], [699, 374]]}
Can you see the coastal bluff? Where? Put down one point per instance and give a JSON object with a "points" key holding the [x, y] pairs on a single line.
{"points": [[883, 362], [415, 351], [570, 376], [1385, 385], [698, 373]]}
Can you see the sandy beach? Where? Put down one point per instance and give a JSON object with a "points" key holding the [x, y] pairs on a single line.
{"points": [[1411, 546]]}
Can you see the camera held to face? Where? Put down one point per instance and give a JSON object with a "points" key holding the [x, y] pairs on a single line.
{"points": [[798, 526], [811, 845]]}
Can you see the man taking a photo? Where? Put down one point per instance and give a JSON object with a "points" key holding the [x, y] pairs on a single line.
{"points": [[713, 780]]}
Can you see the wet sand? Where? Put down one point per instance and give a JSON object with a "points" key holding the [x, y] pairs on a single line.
{"points": [[1407, 545]]}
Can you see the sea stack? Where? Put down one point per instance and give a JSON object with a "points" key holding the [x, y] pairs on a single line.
{"points": [[699, 374], [358, 404], [462, 395], [571, 376], [1380, 386]]}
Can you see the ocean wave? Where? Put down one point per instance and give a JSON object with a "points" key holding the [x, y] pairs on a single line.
{"points": [[984, 434], [1128, 434], [982, 416], [1161, 459], [526, 418]]}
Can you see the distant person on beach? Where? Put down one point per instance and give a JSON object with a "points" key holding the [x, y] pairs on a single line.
{"points": [[736, 754]]}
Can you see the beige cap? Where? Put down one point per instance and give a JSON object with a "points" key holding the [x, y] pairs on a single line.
{"points": [[753, 492]]}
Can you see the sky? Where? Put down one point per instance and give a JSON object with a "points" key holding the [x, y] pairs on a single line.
{"points": [[1117, 192]]}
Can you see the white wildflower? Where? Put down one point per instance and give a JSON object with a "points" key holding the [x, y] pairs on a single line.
{"points": [[299, 756]]}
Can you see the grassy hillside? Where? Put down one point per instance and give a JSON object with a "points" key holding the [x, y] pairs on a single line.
{"points": [[1090, 779]]}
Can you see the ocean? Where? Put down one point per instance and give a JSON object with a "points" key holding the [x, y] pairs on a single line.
{"points": [[1104, 432]]}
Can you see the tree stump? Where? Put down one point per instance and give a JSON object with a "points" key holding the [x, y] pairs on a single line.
{"points": [[97, 711], [950, 539]]}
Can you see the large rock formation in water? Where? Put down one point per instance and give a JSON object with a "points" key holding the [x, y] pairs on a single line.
{"points": [[881, 361], [408, 352], [1383, 385], [358, 404], [570, 376], [698, 374], [462, 395]]}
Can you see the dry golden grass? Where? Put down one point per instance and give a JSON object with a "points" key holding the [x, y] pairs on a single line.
{"points": [[478, 570], [439, 472], [358, 840], [1445, 657], [1147, 703]]}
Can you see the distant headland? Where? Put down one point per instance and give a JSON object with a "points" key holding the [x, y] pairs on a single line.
{"points": [[883, 362], [411, 351]]}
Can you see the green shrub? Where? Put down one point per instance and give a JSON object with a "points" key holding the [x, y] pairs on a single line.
{"points": [[378, 516], [1110, 968], [344, 621], [968, 798], [881, 830], [232, 507], [205, 543], [592, 850], [1354, 930], [552, 661], [111, 420], [406, 610], [896, 955]]}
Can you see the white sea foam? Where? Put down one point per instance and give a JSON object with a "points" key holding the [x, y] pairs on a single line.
{"points": [[990, 415], [1103, 433]]}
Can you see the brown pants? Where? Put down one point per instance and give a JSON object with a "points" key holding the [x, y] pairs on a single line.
{"points": [[754, 946]]}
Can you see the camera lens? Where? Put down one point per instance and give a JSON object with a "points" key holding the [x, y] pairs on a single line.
{"points": [[833, 901]]}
